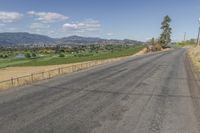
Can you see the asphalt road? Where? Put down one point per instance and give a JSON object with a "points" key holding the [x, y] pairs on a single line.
{"points": [[156, 93]]}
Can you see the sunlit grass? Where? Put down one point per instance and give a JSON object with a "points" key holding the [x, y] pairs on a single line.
{"points": [[69, 58]]}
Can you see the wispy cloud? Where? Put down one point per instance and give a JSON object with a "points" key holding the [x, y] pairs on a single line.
{"points": [[48, 23], [39, 26], [47, 17], [85, 26], [9, 17], [109, 34]]}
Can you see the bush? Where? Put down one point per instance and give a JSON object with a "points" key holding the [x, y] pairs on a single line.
{"points": [[158, 47], [62, 51], [5, 56], [27, 55], [1, 56], [34, 55], [61, 55], [153, 45]]}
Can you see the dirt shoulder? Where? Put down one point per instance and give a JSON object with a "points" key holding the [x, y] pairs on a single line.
{"points": [[12, 72]]}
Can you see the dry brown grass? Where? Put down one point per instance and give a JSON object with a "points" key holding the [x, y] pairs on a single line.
{"points": [[13, 72], [194, 54], [44, 73]]}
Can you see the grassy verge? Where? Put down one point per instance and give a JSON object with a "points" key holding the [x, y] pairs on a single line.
{"points": [[194, 54], [55, 60], [185, 43]]}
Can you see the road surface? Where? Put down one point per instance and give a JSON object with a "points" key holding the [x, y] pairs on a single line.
{"points": [[155, 93]]}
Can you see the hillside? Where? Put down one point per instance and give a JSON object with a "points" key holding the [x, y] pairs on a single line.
{"points": [[27, 39], [20, 38]]}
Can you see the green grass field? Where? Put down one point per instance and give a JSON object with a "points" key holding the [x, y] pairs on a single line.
{"points": [[69, 58], [186, 43]]}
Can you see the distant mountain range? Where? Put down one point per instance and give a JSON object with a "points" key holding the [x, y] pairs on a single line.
{"points": [[27, 39], [19, 38]]}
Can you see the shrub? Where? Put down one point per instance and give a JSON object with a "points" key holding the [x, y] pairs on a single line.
{"points": [[34, 55], [27, 55], [5, 56], [62, 51], [61, 55], [158, 47]]}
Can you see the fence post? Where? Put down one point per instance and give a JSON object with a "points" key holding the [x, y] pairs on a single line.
{"points": [[12, 81], [32, 77], [42, 75], [59, 71], [17, 81]]}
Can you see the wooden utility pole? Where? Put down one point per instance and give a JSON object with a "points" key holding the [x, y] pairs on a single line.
{"points": [[198, 34], [198, 37], [184, 36]]}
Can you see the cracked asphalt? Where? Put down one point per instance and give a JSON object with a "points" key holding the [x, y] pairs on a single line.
{"points": [[154, 93]]}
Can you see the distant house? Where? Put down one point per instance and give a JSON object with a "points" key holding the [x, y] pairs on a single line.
{"points": [[20, 56]]}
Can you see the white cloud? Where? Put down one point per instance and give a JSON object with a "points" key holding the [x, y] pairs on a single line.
{"points": [[12, 29], [109, 34], [9, 29], [87, 25], [48, 17], [39, 26], [9, 17]]}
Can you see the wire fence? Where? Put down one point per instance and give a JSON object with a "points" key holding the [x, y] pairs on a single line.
{"points": [[29, 79]]}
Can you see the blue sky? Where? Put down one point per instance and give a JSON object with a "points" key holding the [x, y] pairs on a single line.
{"points": [[132, 19]]}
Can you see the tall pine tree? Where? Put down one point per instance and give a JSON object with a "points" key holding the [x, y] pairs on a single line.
{"points": [[165, 37]]}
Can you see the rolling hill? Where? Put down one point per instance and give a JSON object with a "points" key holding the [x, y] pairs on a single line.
{"points": [[27, 39]]}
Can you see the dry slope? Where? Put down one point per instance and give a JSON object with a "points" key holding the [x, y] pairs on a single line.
{"points": [[194, 54]]}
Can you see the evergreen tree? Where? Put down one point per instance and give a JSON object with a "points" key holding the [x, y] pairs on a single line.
{"points": [[152, 41], [165, 37]]}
